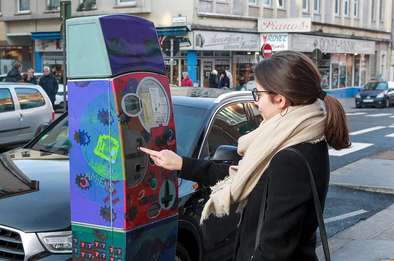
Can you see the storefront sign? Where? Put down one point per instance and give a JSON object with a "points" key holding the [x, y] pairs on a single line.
{"points": [[279, 42], [285, 25], [48, 45], [223, 41], [307, 43]]}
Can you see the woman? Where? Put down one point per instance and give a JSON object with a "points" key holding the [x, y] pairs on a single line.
{"points": [[271, 174], [186, 81], [224, 81]]}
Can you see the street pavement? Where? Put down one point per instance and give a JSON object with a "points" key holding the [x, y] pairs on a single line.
{"points": [[367, 166]]}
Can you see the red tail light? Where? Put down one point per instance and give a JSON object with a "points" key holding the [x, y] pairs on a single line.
{"points": [[53, 115]]}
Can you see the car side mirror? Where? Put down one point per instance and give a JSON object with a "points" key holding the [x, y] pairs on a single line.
{"points": [[226, 154]]}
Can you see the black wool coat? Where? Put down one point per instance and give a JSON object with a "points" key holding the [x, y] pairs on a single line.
{"points": [[289, 221]]}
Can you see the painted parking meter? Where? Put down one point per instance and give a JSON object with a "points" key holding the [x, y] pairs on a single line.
{"points": [[123, 207]]}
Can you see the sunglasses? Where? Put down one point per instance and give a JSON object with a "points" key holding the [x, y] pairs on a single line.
{"points": [[256, 94]]}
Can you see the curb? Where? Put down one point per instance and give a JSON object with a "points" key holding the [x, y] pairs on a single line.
{"points": [[382, 190]]}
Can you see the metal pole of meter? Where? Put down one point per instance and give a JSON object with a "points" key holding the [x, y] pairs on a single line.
{"points": [[65, 13], [172, 60]]}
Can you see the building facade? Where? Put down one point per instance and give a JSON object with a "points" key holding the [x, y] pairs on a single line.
{"points": [[350, 40]]}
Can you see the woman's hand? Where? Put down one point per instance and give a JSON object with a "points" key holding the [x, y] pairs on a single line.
{"points": [[166, 159]]}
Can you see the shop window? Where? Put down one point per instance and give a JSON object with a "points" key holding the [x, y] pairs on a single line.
{"points": [[126, 2], [316, 6], [53, 5], [355, 8], [267, 3], [86, 5], [29, 98], [23, 6], [6, 103], [337, 8], [346, 8], [305, 6]]}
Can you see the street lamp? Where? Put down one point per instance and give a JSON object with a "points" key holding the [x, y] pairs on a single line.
{"points": [[65, 13]]}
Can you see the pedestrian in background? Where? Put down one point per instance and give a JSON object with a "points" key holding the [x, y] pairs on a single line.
{"points": [[224, 81], [230, 77], [186, 81], [213, 80], [271, 184], [49, 83], [30, 77], [14, 75]]}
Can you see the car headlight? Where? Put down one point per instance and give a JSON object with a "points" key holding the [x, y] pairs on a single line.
{"points": [[358, 96], [57, 242], [380, 95]]}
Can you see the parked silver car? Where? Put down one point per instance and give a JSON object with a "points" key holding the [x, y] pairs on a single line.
{"points": [[24, 110]]}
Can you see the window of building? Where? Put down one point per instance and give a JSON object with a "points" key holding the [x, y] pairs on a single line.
{"points": [[252, 2], [346, 8], [337, 7], [125, 2], [381, 10], [316, 6], [53, 5], [29, 98], [305, 5], [281, 3], [86, 5], [355, 8], [373, 18], [6, 103], [267, 3], [23, 6]]}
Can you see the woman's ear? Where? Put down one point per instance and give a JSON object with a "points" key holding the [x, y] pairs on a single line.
{"points": [[281, 102]]}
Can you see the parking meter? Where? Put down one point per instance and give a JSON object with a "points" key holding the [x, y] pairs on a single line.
{"points": [[123, 207]]}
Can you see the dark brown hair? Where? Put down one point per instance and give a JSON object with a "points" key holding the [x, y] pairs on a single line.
{"points": [[294, 76]]}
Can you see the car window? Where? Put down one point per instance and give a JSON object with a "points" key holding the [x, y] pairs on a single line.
{"points": [[29, 98], [55, 140], [6, 102], [188, 124], [379, 86], [255, 114], [230, 123]]}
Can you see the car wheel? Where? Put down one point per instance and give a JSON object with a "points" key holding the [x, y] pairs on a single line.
{"points": [[387, 103], [358, 106], [181, 253]]}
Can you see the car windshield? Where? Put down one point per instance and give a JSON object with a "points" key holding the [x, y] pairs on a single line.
{"points": [[55, 140], [376, 86], [188, 123]]}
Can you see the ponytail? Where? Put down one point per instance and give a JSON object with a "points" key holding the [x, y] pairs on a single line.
{"points": [[336, 131]]}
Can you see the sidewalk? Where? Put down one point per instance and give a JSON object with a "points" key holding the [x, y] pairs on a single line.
{"points": [[371, 239]]}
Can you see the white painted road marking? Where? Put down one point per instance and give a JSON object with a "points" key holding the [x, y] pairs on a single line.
{"points": [[355, 113], [366, 130], [356, 146], [344, 216], [391, 116], [390, 135], [378, 115]]}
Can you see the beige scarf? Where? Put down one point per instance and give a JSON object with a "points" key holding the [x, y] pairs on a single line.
{"points": [[300, 124]]}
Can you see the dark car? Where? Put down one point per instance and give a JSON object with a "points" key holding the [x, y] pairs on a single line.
{"points": [[37, 225], [376, 94]]}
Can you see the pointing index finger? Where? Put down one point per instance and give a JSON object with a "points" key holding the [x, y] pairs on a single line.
{"points": [[150, 152]]}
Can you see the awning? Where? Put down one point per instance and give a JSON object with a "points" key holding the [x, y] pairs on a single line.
{"points": [[172, 31], [46, 35]]}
